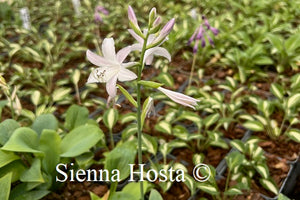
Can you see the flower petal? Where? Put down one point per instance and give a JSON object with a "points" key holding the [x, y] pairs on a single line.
{"points": [[98, 60], [102, 74], [108, 49], [157, 51], [123, 53], [111, 86], [179, 98], [126, 75], [136, 36], [129, 64], [136, 47], [149, 60]]}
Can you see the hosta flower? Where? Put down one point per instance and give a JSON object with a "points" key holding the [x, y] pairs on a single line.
{"points": [[180, 98], [200, 34], [97, 16], [111, 67], [149, 54]]}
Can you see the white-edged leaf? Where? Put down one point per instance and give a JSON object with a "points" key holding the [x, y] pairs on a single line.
{"points": [[254, 125], [269, 185], [293, 100], [164, 127], [294, 134], [110, 118], [262, 170], [277, 90]]}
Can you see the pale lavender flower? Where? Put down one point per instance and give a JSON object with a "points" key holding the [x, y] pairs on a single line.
{"points": [[149, 53], [131, 16], [157, 22], [165, 31], [103, 10], [200, 34], [100, 10], [111, 67], [98, 18], [180, 98]]}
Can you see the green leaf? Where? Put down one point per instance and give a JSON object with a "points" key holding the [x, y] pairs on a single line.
{"points": [[150, 84], [269, 185], [120, 158], [7, 157], [276, 41], [166, 79], [76, 116], [292, 43], [164, 127], [262, 170], [147, 106], [60, 94], [32, 195], [80, 140], [277, 90], [239, 145], [128, 131], [293, 100], [211, 119], [127, 95], [154, 195], [110, 118], [233, 191], [210, 189], [48, 140], [94, 196], [5, 182], [294, 134], [254, 125], [283, 197], [263, 60], [45, 121], [149, 144], [34, 173], [128, 118], [23, 140], [7, 127], [16, 168], [234, 159]]}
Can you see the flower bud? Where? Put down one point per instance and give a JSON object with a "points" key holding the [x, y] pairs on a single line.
{"points": [[131, 16], [102, 10], [98, 18], [215, 31], [164, 32], [152, 16]]}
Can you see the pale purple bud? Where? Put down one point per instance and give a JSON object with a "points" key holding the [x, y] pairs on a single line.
{"points": [[211, 42], [102, 10], [200, 33], [203, 43], [167, 28], [215, 31], [157, 22], [131, 16], [206, 23], [193, 36], [195, 48], [98, 18]]}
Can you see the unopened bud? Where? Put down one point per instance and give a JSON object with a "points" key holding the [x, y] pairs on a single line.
{"points": [[152, 16]]}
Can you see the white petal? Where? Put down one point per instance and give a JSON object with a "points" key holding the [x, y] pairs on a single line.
{"points": [[179, 98], [129, 64], [123, 53], [126, 75], [108, 49], [137, 37], [157, 51], [103, 74], [136, 47], [149, 60], [97, 60], [111, 87]]}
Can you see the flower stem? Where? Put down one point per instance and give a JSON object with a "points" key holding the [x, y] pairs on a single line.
{"points": [[139, 111], [111, 139], [192, 70]]}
